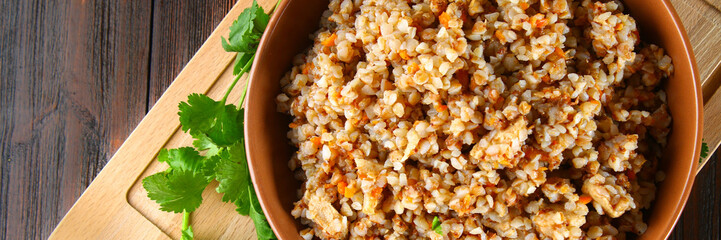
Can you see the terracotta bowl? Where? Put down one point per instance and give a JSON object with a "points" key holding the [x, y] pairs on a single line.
{"points": [[288, 35]]}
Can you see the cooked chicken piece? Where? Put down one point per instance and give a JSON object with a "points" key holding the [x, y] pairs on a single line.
{"points": [[502, 148], [327, 218], [608, 198]]}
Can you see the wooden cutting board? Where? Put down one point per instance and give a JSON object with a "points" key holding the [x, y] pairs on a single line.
{"points": [[115, 205]]}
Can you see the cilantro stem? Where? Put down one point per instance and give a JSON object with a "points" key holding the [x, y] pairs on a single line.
{"points": [[275, 7], [245, 69], [232, 85], [186, 220], [235, 81]]}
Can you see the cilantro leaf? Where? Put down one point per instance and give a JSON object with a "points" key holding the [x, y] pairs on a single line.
{"points": [[233, 176], [203, 142], [228, 127], [198, 113], [222, 124], [187, 159], [241, 60], [246, 31], [262, 228], [704, 151], [180, 187], [176, 191], [209, 164], [436, 225], [181, 159]]}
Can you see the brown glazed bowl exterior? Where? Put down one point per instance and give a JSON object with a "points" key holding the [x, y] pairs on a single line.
{"points": [[288, 35]]}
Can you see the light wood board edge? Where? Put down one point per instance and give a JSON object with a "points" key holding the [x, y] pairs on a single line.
{"points": [[712, 116], [702, 21]]}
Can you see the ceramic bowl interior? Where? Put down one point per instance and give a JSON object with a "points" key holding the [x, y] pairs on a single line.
{"points": [[288, 35]]}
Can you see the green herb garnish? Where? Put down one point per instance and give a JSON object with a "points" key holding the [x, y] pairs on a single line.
{"points": [[704, 151], [217, 130], [179, 188], [436, 225]]}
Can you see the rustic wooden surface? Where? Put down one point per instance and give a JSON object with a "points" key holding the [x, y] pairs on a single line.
{"points": [[76, 77]]}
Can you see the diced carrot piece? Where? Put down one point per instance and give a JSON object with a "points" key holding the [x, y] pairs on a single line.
{"points": [[619, 27], [349, 191], [560, 52], [523, 5], [491, 121], [307, 68], [500, 36], [329, 41], [376, 193], [341, 187], [584, 199], [404, 54], [546, 79], [413, 67], [541, 23], [444, 18]]}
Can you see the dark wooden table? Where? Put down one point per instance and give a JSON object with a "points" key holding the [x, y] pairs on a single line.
{"points": [[77, 76]]}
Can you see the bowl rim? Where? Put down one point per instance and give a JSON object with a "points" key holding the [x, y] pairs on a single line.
{"points": [[688, 56], [261, 194], [691, 176]]}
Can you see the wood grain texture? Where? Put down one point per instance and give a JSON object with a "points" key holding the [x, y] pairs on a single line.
{"points": [[701, 219], [74, 77], [179, 28], [703, 24], [77, 77]]}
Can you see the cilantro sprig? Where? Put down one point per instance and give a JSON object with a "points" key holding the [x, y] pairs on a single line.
{"points": [[436, 225], [704, 151], [218, 151]]}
